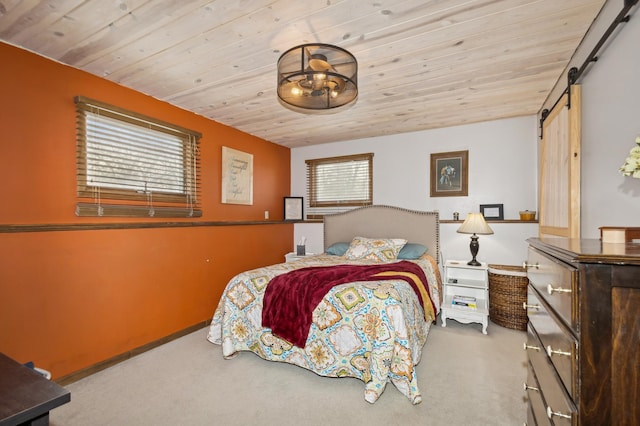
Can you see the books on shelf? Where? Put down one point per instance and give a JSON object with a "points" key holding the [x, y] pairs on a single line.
{"points": [[464, 301]]}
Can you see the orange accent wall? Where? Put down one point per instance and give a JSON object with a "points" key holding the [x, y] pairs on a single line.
{"points": [[71, 299]]}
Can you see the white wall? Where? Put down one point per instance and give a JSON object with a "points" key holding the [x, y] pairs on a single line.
{"points": [[502, 170], [502, 164], [610, 124]]}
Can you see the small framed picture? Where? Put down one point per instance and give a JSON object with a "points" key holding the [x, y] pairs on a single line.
{"points": [[293, 208], [492, 211]]}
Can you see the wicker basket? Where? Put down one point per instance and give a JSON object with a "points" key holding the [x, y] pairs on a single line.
{"points": [[507, 293]]}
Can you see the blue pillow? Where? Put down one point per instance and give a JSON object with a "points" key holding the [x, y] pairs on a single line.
{"points": [[337, 249], [412, 251]]}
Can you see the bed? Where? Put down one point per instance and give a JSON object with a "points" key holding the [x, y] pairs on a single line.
{"points": [[372, 328]]}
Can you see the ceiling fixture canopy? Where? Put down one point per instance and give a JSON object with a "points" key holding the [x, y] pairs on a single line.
{"points": [[317, 77]]}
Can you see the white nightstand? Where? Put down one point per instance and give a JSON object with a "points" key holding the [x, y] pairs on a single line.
{"points": [[290, 257], [470, 283]]}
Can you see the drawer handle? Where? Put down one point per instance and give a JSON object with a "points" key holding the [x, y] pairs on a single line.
{"points": [[527, 387], [530, 347], [552, 290], [526, 265], [525, 306], [551, 352], [551, 413]]}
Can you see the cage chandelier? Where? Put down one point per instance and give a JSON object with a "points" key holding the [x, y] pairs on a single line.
{"points": [[317, 76]]}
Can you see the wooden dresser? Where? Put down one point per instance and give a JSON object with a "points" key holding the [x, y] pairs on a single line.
{"points": [[583, 337]]}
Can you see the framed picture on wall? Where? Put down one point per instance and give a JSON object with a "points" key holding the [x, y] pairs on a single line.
{"points": [[293, 208], [492, 211], [450, 174], [237, 177]]}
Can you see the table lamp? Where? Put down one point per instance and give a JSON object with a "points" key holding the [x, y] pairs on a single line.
{"points": [[474, 224]]}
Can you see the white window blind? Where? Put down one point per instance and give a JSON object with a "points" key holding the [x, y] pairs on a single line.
{"points": [[130, 165], [338, 183]]}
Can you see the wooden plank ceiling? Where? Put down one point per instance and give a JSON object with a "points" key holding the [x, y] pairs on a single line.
{"points": [[422, 64]]}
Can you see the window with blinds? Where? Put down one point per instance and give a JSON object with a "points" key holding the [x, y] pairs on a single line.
{"points": [[129, 165], [338, 183]]}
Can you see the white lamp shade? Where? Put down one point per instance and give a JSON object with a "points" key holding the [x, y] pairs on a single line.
{"points": [[475, 224]]}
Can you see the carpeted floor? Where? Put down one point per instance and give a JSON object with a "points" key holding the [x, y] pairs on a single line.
{"points": [[466, 378]]}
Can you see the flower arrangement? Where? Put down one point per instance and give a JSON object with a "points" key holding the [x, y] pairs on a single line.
{"points": [[631, 166]]}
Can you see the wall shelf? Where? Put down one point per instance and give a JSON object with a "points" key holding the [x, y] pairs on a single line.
{"points": [[441, 221], [492, 221]]}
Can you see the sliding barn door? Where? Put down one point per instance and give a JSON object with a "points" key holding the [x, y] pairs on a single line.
{"points": [[560, 168]]}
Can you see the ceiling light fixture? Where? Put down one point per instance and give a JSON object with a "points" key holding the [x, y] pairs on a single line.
{"points": [[317, 77]]}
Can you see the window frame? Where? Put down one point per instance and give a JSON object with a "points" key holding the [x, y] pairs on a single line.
{"points": [[103, 200], [341, 205]]}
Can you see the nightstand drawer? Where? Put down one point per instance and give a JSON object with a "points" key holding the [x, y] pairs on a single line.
{"points": [[556, 282]]}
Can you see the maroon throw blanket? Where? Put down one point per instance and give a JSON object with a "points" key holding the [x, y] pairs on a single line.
{"points": [[290, 298]]}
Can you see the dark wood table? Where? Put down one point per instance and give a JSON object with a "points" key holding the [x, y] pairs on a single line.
{"points": [[26, 397]]}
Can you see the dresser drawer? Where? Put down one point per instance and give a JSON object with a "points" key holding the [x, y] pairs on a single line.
{"points": [[559, 406], [602, 314], [557, 343], [531, 421], [537, 413], [557, 283]]}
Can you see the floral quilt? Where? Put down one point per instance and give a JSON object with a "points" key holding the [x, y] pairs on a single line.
{"points": [[370, 330]]}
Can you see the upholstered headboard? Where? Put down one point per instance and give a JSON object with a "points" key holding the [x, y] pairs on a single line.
{"points": [[379, 221]]}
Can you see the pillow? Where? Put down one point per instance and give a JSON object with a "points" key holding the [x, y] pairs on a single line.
{"points": [[412, 251], [376, 249], [337, 249]]}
